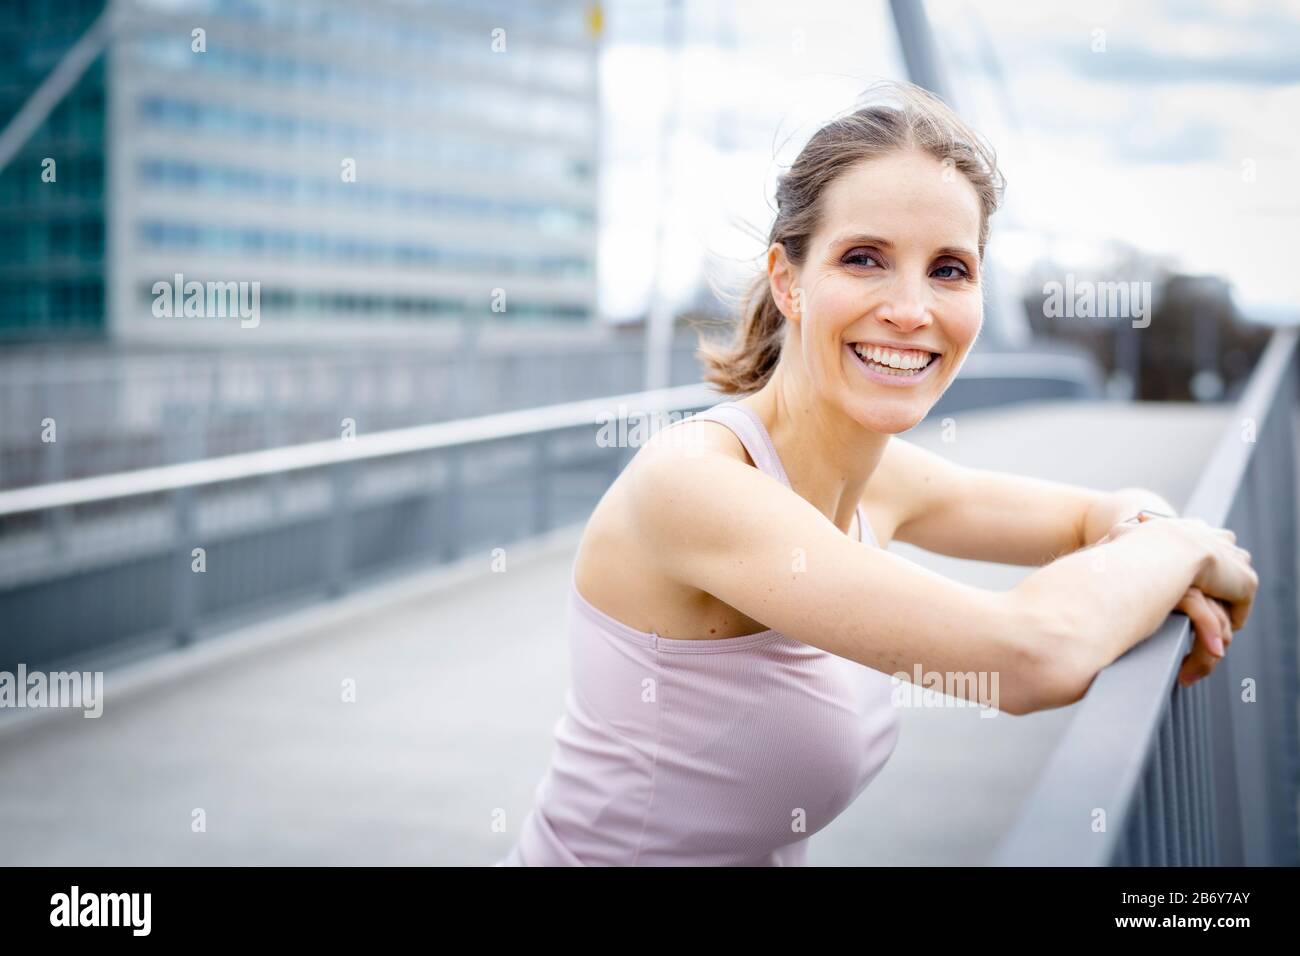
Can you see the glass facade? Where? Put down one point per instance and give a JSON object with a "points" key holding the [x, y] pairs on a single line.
{"points": [[395, 163], [191, 117], [556, 218]]}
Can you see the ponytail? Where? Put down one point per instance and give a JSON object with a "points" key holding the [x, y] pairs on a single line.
{"points": [[744, 364]]}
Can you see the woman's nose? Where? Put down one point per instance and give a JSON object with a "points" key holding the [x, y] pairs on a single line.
{"points": [[905, 306]]}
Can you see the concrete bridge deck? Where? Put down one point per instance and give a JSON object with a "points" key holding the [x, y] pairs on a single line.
{"points": [[459, 679]]}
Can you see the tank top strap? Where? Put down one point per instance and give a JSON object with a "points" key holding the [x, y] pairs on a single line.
{"points": [[752, 434]]}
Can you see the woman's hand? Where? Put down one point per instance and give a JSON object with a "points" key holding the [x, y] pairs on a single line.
{"points": [[1227, 573], [1212, 635], [1231, 583]]}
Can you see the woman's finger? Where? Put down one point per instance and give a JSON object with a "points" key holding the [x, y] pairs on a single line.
{"points": [[1206, 624], [1239, 609], [1225, 622], [1196, 665], [1199, 663]]}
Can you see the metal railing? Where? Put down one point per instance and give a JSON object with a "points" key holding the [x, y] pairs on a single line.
{"points": [[157, 553], [152, 556], [1001, 378], [1152, 773], [119, 410], [123, 412]]}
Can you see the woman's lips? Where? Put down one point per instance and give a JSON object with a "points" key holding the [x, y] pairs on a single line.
{"points": [[885, 378]]}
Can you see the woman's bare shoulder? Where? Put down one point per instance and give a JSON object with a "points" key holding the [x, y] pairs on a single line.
{"points": [[665, 466], [676, 463], [618, 567]]}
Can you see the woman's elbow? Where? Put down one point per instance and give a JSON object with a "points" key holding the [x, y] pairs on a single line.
{"points": [[1054, 669]]}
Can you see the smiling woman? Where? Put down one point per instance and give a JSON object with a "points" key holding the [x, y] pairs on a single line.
{"points": [[736, 626]]}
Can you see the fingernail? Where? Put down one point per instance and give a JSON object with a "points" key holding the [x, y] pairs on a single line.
{"points": [[1216, 645]]}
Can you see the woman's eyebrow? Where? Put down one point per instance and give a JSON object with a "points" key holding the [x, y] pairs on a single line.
{"points": [[958, 251], [868, 240], [864, 239]]}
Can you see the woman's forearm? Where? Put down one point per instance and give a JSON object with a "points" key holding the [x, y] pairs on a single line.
{"points": [[1118, 505], [1111, 596]]}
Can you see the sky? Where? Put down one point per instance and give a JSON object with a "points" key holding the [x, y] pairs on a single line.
{"points": [[1173, 128]]}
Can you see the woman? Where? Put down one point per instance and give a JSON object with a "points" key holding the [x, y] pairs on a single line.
{"points": [[733, 612]]}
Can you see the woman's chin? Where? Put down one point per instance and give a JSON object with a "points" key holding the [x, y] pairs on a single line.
{"points": [[898, 426], [890, 421]]}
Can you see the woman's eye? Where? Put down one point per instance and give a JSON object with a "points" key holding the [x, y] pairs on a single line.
{"points": [[861, 257], [956, 272]]}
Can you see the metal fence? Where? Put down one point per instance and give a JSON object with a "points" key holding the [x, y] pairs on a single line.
{"points": [[1150, 773], [115, 413], [142, 559], [154, 555], [130, 410]]}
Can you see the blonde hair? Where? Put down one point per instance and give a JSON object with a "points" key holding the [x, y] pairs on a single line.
{"points": [[919, 120]]}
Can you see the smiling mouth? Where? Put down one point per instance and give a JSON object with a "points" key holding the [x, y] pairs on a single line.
{"points": [[898, 363]]}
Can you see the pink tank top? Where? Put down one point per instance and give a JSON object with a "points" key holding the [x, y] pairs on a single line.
{"points": [[712, 752]]}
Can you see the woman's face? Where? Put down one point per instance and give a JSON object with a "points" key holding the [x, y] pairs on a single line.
{"points": [[888, 301]]}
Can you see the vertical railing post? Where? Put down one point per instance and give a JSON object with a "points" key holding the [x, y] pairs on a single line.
{"points": [[276, 412], [185, 610], [1168, 802], [1148, 803], [1182, 816], [58, 521], [339, 547], [1205, 780], [1140, 855], [179, 424], [1210, 690], [1191, 775], [542, 483], [453, 496], [1160, 857]]}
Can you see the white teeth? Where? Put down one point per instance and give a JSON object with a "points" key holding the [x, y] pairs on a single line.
{"points": [[890, 360]]}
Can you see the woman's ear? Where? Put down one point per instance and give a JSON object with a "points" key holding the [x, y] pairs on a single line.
{"points": [[783, 280]]}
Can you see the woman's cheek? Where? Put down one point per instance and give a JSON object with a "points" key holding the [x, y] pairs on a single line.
{"points": [[964, 321], [833, 308]]}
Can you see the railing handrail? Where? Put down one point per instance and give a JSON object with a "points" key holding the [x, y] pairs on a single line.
{"points": [[1079, 369], [1103, 751], [465, 431], [331, 451]]}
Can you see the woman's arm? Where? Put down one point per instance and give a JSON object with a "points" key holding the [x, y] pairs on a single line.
{"points": [[987, 515], [1110, 509], [1117, 593], [712, 522]]}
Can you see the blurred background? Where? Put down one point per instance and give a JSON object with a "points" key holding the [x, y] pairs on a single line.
{"points": [[310, 313]]}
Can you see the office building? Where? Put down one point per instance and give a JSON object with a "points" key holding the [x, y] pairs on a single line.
{"points": [[350, 169]]}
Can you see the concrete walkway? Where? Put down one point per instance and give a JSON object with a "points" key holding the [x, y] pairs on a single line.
{"points": [[458, 686]]}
